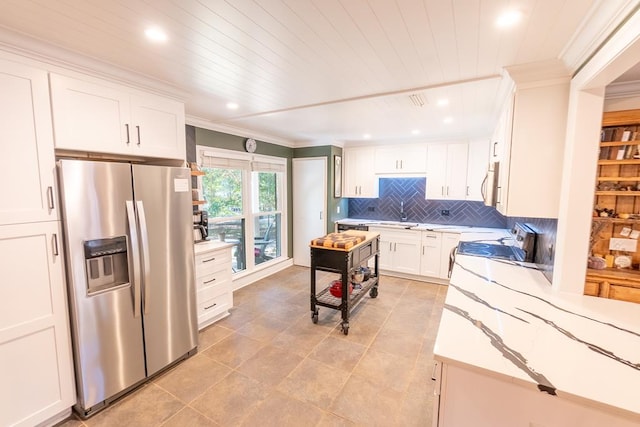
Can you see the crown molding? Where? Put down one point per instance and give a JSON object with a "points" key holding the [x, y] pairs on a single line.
{"points": [[603, 19], [622, 90], [238, 131], [56, 59]]}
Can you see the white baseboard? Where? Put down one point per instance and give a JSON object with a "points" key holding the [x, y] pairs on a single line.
{"points": [[242, 280]]}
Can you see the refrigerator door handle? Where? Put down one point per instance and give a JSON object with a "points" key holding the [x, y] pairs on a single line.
{"points": [[146, 266], [133, 238]]}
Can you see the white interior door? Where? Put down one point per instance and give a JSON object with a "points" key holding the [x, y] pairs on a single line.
{"points": [[309, 205]]}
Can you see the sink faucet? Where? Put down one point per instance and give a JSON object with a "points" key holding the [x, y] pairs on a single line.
{"points": [[403, 214]]}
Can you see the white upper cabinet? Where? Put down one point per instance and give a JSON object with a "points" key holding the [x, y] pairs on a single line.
{"points": [[26, 146], [359, 179], [477, 166], [401, 159], [105, 118], [447, 171], [535, 142]]}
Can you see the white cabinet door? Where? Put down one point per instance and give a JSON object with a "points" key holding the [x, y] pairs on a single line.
{"points": [[359, 179], [536, 137], [449, 241], [436, 171], [35, 349], [477, 165], [447, 171], [399, 250], [401, 159], [26, 146], [456, 186], [159, 127], [90, 117], [430, 255], [406, 255]]}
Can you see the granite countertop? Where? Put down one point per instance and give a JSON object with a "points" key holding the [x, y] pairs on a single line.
{"points": [[503, 319], [210, 245]]}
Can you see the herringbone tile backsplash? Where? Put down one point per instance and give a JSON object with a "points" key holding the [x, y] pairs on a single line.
{"points": [[411, 192]]}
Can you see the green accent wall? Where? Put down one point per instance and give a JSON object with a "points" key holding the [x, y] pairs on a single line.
{"points": [[214, 139]]}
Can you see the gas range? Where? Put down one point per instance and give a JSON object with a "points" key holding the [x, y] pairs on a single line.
{"points": [[520, 248]]}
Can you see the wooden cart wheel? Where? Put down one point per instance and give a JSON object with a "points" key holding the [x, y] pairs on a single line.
{"points": [[373, 292]]}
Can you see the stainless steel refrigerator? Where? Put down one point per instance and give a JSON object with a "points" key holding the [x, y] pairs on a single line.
{"points": [[130, 272]]}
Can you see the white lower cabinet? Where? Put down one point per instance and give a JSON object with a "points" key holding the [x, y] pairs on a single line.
{"points": [[399, 250], [449, 241], [214, 292], [36, 368], [436, 252], [430, 255], [464, 397]]}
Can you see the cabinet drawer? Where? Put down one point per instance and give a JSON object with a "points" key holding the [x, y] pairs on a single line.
{"points": [[206, 285], [213, 306], [214, 261]]}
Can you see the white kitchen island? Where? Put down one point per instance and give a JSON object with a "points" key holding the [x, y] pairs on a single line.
{"points": [[512, 352]]}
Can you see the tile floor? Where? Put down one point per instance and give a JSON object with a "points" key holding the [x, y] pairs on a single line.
{"points": [[267, 364]]}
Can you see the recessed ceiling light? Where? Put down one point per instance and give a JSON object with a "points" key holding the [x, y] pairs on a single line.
{"points": [[415, 132], [366, 136], [447, 120], [508, 19], [232, 106], [442, 102], [156, 34]]}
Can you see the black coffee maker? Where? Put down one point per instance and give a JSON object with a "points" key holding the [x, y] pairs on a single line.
{"points": [[200, 226]]}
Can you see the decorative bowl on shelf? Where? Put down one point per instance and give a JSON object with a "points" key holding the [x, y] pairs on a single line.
{"points": [[336, 288]]}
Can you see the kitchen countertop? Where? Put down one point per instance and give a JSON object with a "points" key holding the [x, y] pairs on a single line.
{"points": [[502, 318], [209, 245], [410, 225]]}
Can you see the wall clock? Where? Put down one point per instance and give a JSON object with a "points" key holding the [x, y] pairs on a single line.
{"points": [[250, 145]]}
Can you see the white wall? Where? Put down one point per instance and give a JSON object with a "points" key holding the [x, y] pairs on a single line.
{"points": [[617, 104]]}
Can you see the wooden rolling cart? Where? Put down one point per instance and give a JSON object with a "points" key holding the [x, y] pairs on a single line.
{"points": [[328, 255]]}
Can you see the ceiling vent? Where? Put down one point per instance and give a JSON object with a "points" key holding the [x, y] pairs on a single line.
{"points": [[417, 99]]}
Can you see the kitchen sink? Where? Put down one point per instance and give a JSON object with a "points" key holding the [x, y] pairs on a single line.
{"points": [[393, 224]]}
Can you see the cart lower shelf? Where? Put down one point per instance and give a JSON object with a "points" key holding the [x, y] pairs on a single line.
{"points": [[325, 299]]}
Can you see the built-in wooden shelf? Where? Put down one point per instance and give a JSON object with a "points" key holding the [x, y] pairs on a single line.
{"points": [[619, 162], [618, 193], [620, 118], [619, 178], [619, 143], [616, 220], [198, 202], [197, 173]]}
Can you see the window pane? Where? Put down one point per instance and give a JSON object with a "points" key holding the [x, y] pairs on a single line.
{"points": [[267, 191], [222, 189], [231, 232], [267, 241]]}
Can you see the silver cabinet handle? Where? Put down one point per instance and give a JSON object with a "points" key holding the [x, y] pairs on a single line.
{"points": [[50, 198], [495, 145], [209, 260], [135, 250], [430, 236], [442, 190], [146, 264], [447, 190], [54, 242], [320, 214], [211, 306], [209, 281], [126, 126], [401, 165], [467, 190], [138, 130]]}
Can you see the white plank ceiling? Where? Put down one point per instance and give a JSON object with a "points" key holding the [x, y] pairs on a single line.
{"points": [[316, 71]]}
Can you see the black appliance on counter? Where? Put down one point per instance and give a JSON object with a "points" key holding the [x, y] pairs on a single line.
{"points": [[521, 248], [340, 227], [200, 226]]}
